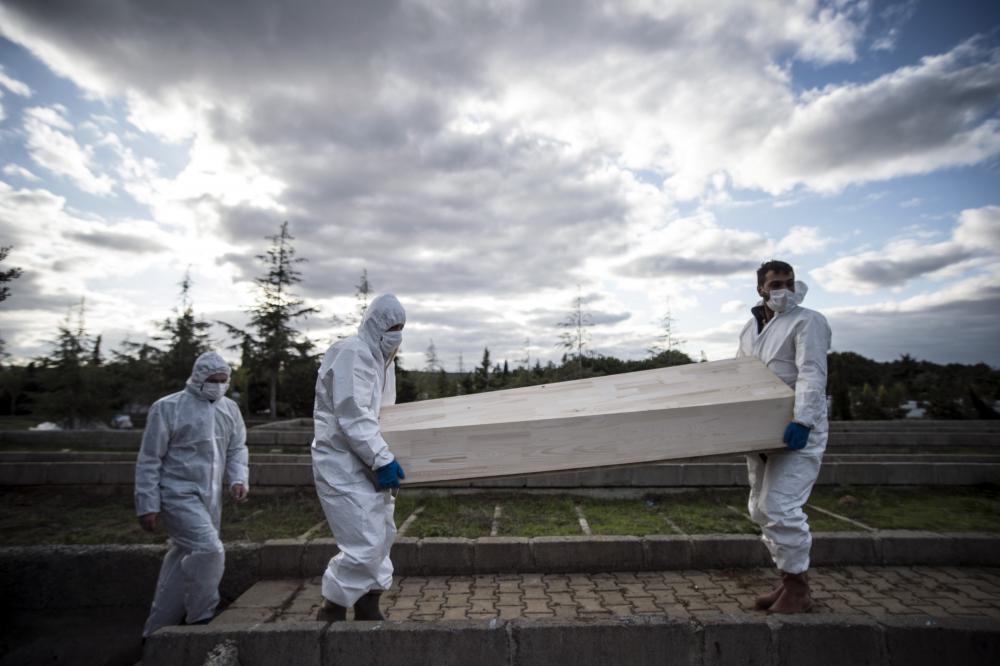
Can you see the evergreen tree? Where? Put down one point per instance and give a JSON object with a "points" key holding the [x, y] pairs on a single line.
{"points": [[576, 336], [433, 362], [73, 392], [9, 275], [668, 341], [186, 337], [273, 341], [482, 373]]}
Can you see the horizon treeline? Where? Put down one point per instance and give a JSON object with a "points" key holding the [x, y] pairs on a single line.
{"points": [[79, 383]]}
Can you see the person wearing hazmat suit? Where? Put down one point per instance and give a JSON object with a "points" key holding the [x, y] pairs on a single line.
{"points": [[792, 341], [192, 437], [352, 464]]}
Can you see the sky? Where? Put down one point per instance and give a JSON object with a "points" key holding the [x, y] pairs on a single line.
{"points": [[490, 161]]}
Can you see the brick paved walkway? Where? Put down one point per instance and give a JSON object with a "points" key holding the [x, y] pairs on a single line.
{"points": [[938, 592]]}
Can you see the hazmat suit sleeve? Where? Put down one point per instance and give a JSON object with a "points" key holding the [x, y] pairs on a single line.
{"points": [[351, 385], [237, 469], [812, 341], [155, 440]]}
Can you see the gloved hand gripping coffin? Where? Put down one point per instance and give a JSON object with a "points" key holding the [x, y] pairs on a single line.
{"points": [[702, 409]]}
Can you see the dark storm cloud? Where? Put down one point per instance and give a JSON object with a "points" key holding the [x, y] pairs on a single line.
{"points": [[963, 331], [111, 240]]}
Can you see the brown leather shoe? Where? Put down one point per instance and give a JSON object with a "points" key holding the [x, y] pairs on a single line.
{"points": [[765, 601], [366, 608], [795, 597], [331, 612]]}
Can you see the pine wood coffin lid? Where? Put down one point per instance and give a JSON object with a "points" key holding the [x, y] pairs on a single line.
{"points": [[722, 407]]}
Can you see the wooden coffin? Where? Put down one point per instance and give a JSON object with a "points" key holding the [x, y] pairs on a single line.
{"points": [[722, 407]]}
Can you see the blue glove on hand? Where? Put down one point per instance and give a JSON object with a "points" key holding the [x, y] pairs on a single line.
{"points": [[796, 436], [389, 475]]}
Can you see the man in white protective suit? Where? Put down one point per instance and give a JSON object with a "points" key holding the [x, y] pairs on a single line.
{"points": [[793, 342], [352, 465], [192, 437]]}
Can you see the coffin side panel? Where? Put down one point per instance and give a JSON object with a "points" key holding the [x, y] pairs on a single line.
{"points": [[551, 445]]}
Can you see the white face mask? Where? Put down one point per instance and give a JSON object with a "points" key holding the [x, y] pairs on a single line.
{"points": [[783, 300], [390, 342], [213, 391]]}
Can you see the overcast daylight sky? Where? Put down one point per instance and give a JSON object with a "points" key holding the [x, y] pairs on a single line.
{"points": [[483, 158]]}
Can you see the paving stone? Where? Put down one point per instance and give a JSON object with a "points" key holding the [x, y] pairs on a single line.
{"points": [[268, 594]]}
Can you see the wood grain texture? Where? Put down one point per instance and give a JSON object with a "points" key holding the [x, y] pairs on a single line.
{"points": [[723, 407]]}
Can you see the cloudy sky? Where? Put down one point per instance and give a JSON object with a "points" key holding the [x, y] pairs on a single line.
{"points": [[481, 159]]}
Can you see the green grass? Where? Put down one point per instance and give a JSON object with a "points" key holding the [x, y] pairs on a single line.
{"points": [[930, 508], [469, 516], [405, 504], [41, 517], [633, 517], [55, 515], [706, 512], [533, 516]]}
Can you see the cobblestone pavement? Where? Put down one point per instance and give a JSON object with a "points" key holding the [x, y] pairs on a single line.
{"points": [[938, 592]]}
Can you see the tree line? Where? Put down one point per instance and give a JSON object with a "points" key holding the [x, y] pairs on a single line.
{"points": [[78, 382]]}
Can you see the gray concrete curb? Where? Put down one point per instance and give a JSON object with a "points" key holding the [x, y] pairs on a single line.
{"points": [[818, 640], [671, 475]]}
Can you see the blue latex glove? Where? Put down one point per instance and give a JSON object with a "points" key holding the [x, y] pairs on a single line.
{"points": [[796, 436], [389, 475]]}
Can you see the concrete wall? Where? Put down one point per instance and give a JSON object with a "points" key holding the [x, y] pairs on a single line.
{"points": [[862, 436], [817, 640], [114, 472], [88, 604]]}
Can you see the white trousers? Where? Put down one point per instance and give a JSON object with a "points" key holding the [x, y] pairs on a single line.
{"points": [[188, 587], [361, 522], [778, 490]]}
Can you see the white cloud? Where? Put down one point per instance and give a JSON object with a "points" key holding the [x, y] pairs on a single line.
{"points": [[976, 234], [60, 153], [13, 85], [20, 171], [731, 307], [487, 157], [912, 121], [803, 240]]}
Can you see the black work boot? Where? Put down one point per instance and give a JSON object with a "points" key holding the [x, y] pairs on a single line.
{"points": [[331, 612], [366, 608]]}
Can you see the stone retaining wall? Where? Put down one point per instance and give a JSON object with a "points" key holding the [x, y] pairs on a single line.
{"points": [[834, 640], [860, 436], [80, 577], [671, 475]]}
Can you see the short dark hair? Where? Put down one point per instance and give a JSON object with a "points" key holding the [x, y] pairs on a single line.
{"points": [[773, 265]]}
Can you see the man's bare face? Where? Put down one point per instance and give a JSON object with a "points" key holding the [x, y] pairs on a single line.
{"points": [[774, 281], [217, 378]]}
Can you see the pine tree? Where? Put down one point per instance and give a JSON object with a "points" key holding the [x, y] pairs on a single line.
{"points": [[274, 341], [433, 362], [186, 337], [668, 342], [576, 336], [8, 275], [73, 393], [482, 373]]}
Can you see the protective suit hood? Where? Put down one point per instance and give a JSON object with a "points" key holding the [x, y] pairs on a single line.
{"points": [[384, 312], [205, 366], [784, 300]]}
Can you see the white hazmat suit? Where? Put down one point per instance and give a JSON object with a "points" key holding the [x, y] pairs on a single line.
{"points": [[794, 346], [355, 379], [188, 443]]}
